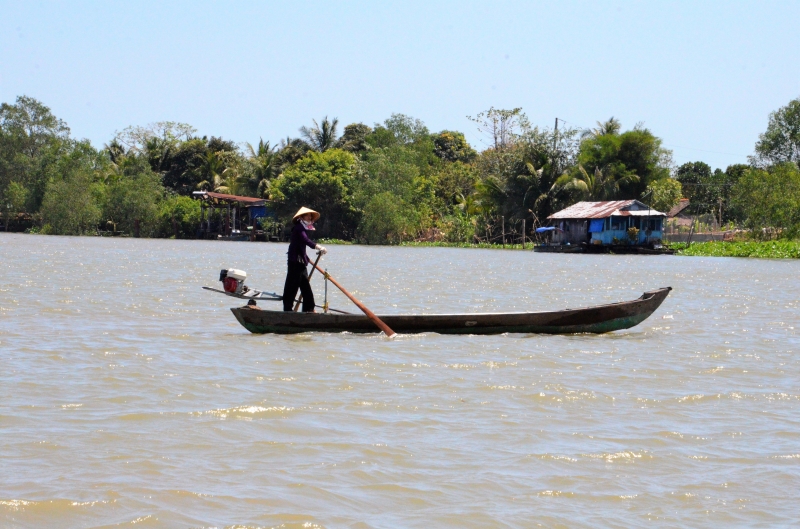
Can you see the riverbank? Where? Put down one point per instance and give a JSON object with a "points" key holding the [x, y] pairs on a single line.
{"points": [[427, 244], [762, 249]]}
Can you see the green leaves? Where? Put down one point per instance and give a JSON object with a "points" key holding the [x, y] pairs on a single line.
{"points": [[319, 181], [597, 185], [453, 147], [770, 200], [322, 137], [636, 153], [664, 194], [781, 141]]}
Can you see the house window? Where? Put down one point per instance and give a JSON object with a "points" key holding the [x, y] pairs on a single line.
{"points": [[619, 223], [653, 223]]}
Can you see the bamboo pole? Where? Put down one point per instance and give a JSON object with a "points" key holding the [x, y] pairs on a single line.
{"points": [[376, 320]]}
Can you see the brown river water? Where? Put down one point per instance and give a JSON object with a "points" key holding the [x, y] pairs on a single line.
{"points": [[130, 397]]}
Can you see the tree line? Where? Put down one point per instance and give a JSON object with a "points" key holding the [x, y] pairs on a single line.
{"points": [[382, 184]]}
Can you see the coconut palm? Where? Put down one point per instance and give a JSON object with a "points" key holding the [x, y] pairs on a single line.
{"points": [[216, 176], [594, 186], [115, 150], [262, 166], [611, 127], [320, 138]]}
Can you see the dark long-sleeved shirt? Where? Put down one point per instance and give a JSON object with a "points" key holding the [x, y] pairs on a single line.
{"points": [[297, 244]]}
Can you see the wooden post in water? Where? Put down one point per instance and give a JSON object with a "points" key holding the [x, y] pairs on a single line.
{"points": [[523, 234], [504, 230]]}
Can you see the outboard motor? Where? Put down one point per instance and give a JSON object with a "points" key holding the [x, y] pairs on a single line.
{"points": [[233, 280]]}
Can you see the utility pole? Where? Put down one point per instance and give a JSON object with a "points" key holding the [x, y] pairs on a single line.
{"points": [[555, 136], [555, 142]]}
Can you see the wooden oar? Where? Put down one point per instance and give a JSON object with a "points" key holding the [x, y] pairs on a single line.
{"points": [[376, 320], [297, 305]]}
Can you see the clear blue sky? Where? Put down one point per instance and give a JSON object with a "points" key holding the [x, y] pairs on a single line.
{"points": [[703, 76]]}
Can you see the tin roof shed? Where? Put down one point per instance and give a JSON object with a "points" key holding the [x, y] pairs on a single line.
{"points": [[608, 208]]}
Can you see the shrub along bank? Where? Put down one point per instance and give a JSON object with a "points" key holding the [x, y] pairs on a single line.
{"points": [[780, 249]]}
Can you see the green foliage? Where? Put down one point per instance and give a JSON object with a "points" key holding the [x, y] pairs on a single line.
{"points": [[392, 183], [457, 227], [398, 171], [319, 181], [694, 178], [322, 137], [454, 181], [482, 245], [770, 200], [71, 203], [387, 220], [14, 198], [179, 212], [453, 147], [636, 152], [611, 127], [400, 129], [595, 186], [31, 140], [781, 141], [517, 181], [354, 138], [183, 172], [259, 169], [135, 197], [664, 194], [334, 241], [710, 192], [783, 249]]}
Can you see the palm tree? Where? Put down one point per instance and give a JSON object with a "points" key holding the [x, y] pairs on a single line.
{"points": [[115, 150], [158, 152], [321, 137], [610, 127], [217, 177], [264, 165], [594, 186]]}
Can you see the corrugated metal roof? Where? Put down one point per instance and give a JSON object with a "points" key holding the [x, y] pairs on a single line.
{"points": [[601, 210]]}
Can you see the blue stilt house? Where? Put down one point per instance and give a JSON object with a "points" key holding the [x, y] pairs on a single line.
{"points": [[614, 222]]}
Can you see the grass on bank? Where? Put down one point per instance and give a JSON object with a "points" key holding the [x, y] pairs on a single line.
{"points": [[493, 246], [781, 249], [427, 244]]}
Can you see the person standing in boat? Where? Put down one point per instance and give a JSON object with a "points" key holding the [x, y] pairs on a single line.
{"points": [[297, 273]]}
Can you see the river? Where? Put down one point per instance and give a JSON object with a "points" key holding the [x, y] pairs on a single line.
{"points": [[130, 397]]}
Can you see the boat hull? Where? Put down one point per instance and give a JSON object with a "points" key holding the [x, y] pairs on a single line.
{"points": [[599, 319]]}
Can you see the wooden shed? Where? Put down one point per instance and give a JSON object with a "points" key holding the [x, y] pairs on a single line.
{"points": [[608, 223]]}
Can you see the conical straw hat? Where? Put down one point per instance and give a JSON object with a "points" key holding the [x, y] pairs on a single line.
{"points": [[303, 211]]}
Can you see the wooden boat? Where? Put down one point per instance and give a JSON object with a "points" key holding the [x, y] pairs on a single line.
{"points": [[598, 319]]}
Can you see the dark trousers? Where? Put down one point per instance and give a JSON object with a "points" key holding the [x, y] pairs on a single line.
{"points": [[297, 277]]}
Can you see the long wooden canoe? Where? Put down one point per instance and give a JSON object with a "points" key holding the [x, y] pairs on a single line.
{"points": [[598, 319]]}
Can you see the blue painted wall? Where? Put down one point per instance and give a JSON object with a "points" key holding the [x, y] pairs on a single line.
{"points": [[618, 227]]}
